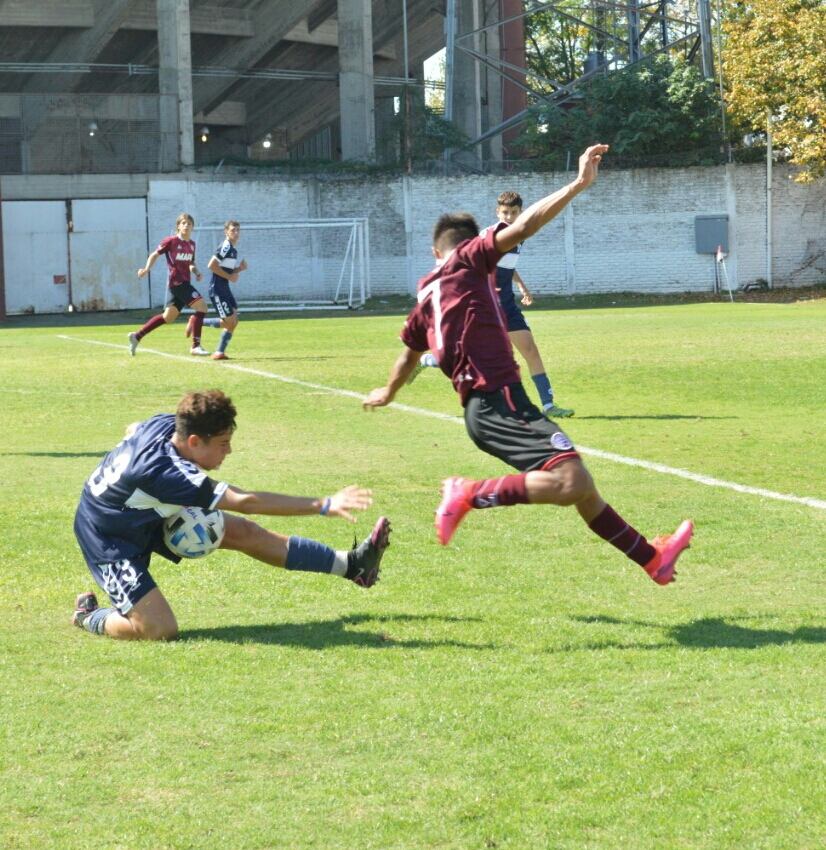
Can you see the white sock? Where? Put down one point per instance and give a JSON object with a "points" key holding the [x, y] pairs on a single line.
{"points": [[339, 564]]}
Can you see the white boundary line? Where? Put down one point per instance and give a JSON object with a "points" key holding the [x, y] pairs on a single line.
{"points": [[707, 480]]}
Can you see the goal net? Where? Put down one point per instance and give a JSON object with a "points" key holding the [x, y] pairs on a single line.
{"points": [[314, 263]]}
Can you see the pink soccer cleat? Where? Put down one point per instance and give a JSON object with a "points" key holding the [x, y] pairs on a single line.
{"points": [[454, 505], [661, 566]]}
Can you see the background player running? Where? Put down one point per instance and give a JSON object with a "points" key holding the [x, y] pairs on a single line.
{"points": [[457, 318], [508, 208], [225, 269], [154, 471], [179, 251]]}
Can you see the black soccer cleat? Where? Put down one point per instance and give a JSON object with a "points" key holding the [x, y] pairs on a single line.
{"points": [[84, 605], [363, 560]]}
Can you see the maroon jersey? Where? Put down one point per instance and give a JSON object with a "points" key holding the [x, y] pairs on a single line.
{"points": [[180, 255], [458, 317]]}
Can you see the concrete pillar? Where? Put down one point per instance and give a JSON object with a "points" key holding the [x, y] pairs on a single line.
{"points": [[492, 84], [467, 81], [514, 98], [175, 85], [355, 58]]}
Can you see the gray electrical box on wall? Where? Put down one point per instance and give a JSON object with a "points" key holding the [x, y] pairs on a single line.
{"points": [[709, 232]]}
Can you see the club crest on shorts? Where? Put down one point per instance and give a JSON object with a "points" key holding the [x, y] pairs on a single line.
{"points": [[560, 442]]}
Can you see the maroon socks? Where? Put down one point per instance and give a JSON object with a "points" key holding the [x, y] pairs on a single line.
{"points": [[610, 526], [493, 492], [154, 322], [197, 324]]}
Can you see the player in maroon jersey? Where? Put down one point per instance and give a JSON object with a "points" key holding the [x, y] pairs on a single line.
{"points": [[179, 251], [458, 317]]}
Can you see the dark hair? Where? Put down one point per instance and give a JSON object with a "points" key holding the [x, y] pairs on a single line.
{"points": [[204, 413], [453, 228], [509, 199]]}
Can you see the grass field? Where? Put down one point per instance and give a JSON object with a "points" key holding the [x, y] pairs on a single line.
{"points": [[525, 687]]}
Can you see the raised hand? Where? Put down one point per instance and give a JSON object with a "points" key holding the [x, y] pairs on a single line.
{"points": [[589, 164]]}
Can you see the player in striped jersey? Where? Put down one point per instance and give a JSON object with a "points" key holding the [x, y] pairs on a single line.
{"points": [[225, 268]]}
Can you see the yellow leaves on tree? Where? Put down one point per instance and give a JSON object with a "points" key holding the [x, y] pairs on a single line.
{"points": [[774, 65]]}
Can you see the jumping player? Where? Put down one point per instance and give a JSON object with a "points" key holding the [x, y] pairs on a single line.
{"points": [[179, 251], [158, 468], [225, 269], [457, 318]]}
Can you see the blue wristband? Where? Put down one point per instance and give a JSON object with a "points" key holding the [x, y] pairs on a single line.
{"points": [[325, 506]]}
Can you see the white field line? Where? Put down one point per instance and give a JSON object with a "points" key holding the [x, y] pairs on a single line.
{"points": [[698, 478]]}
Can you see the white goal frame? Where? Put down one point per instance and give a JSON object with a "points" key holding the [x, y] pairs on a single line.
{"points": [[353, 275]]}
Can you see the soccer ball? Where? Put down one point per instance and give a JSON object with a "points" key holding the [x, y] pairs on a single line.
{"points": [[193, 532]]}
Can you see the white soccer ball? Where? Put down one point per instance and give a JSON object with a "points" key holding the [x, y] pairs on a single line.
{"points": [[193, 532]]}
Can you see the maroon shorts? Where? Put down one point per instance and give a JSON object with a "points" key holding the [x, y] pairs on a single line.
{"points": [[506, 424]]}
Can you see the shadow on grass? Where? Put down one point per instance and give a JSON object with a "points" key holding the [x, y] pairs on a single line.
{"points": [[320, 634], [99, 454], [710, 633], [660, 416], [256, 358]]}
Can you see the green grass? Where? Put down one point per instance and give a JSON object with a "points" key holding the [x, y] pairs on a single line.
{"points": [[525, 687]]}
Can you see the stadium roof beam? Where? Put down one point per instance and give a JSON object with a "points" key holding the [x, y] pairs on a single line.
{"points": [[321, 13], [272, 22], [203, 20], [141, 15], [326, 34], [87, 44], [276, 109]]}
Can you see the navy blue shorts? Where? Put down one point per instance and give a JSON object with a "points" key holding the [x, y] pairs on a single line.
{"points": [[182, 295], [222, 299], [120, 569], [514, 319]]}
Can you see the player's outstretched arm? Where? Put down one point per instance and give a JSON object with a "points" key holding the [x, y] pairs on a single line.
{"points": [[150, 261], [401, 371], [539, 214], [340, 504]]}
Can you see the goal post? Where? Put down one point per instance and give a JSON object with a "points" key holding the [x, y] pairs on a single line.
{"points": [[302, 264]]}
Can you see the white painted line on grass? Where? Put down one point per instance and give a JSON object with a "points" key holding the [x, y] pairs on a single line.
{"points": [[707, 480]]}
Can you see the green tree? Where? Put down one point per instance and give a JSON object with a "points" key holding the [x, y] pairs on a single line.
{"points": [[774, 64], [647, 113]]}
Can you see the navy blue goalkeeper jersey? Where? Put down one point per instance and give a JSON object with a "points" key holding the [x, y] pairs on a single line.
{"points": [[140, 482]]}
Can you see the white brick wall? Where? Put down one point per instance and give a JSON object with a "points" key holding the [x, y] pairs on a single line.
{"points": [[632, 231]]}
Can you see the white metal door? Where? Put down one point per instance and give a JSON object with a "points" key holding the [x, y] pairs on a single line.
{"points": [[35, 254], [108, 246]]}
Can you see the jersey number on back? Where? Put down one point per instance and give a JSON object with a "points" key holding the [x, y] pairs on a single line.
{"points": [[109, 472]]}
